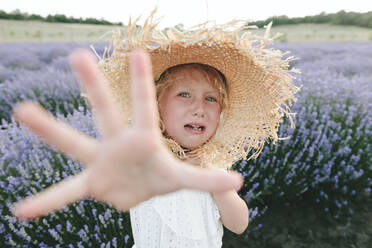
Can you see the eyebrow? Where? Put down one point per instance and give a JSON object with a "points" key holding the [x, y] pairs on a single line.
{"points": [[208, 91], [212, 93]]}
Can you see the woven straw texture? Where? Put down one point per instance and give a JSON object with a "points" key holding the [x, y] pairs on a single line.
{"points": [[260, 89]]}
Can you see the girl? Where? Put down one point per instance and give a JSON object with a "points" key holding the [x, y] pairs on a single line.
{"points": [[220, 95], [191, 98]]}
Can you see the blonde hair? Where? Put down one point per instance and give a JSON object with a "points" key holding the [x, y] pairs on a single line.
{"points": [[212, 75]]}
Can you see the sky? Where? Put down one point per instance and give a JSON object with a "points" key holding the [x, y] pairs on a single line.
{"points": [[188, 12]]}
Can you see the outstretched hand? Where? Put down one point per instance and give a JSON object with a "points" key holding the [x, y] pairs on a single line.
{"points": [[130, 164]]}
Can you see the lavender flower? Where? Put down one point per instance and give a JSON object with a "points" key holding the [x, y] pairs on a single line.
{"points": [[330, 148], [26, 164], [328, 155]]}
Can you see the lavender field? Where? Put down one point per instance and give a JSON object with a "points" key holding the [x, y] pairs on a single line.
{"points": [[326, 162]]}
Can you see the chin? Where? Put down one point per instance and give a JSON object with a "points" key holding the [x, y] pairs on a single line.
{"points": [[190, 143], [193, 146]]}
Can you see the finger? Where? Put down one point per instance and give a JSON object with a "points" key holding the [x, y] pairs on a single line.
{"points": [[143, 90], [105, 110], [211, 180], [53, 198], [56, 133]]}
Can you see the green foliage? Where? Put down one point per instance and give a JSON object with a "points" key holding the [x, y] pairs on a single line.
{"points": [[57, 18], [301, 224], [14, 15], [339, 18]]}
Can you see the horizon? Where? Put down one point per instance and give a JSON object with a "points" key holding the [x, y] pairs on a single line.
{"points": [[102, 19], [169, 11]]}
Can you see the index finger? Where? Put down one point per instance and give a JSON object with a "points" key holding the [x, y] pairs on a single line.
{"points": [[53, 198], [105, 110], [145, 110]]}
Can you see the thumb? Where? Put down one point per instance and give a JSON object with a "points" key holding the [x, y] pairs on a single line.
{"points": [[208, 179]]}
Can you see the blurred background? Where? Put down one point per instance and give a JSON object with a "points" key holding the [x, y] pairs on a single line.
{"points": [[60, 21], [311, 190]]}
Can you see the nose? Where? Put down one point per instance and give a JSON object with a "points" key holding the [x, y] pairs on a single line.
{"points": [[198, 109]]}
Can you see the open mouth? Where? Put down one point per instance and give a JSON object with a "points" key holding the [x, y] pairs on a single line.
{"points": [[195, 127]]}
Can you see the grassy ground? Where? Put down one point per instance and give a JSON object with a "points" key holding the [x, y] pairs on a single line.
{"points": [[33, 31], [303, 225], [322, 33]]}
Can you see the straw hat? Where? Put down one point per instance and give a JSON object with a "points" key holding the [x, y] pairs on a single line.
{"points": [[259, 81]]}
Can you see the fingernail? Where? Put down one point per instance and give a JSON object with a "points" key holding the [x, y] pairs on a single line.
{"points": [[19, 210], [16, 110], [21, 108], [241, 181], [137, 50], [237, 188], [13, 211], [16, 213]]}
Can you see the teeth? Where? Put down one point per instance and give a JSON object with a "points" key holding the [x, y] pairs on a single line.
{"points": [[197, 127]]}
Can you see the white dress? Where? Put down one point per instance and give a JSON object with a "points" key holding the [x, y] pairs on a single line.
{"points": [[185, 218]]}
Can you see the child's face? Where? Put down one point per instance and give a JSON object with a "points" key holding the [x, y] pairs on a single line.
{"points": [[190, 108]]}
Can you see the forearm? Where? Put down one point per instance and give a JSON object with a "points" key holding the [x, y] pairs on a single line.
{"points": [[233, 210]]}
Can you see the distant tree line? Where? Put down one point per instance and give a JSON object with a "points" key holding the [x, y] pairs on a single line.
{"points": [[18, 15], [339, 18]]}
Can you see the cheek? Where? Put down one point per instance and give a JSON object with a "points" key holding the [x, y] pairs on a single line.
{"points": [[176, 106], [170, 113], [166, 115], [165, 107], [215, 112]]}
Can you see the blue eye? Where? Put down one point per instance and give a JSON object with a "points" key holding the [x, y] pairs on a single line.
{"points": [[211, 99], [184, 94]]}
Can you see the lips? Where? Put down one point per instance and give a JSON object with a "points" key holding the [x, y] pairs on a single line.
{"points": [[195, 128]]}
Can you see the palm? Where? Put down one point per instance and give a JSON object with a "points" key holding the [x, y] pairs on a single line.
{"points": [[130, 165], [123, 176]]}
